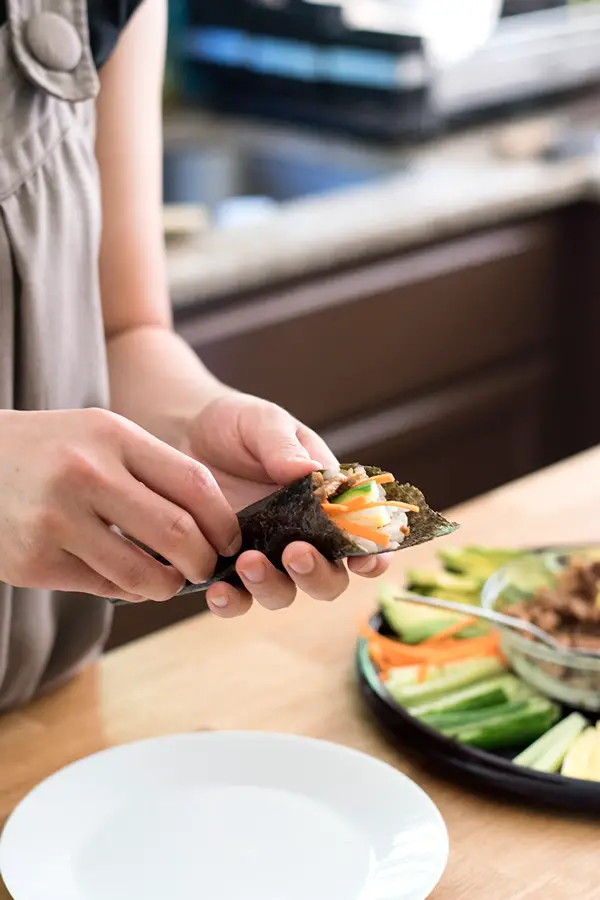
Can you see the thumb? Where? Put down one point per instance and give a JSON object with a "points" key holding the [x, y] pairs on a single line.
{"points": [[273, 440], [284, 458]]}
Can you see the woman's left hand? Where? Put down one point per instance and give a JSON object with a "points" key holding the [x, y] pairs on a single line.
{"points": [[252, 446]]}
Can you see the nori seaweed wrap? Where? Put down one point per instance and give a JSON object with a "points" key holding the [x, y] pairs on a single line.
{"points": [[354, 511]]}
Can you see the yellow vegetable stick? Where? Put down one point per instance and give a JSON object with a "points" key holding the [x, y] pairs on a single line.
{"points": [[578, 761]]}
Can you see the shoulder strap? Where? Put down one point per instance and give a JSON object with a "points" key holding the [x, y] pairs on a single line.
{"points": [[51, 43]]}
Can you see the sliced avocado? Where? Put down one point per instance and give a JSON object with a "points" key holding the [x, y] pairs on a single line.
{"points": [[369, 490], [477, 563], [420, 579], [456, 597], [411, 622], [529, 575]]}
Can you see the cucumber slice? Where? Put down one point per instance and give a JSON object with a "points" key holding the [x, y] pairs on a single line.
{"points": [[513, 729], [548, 753], [485, 693], [452, 723], [406, 676], [468, 673]]}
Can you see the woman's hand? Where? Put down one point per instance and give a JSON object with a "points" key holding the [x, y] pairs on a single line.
{"points": [[66, 477], [251, 447]]}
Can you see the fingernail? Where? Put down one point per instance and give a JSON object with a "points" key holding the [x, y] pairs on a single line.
{"points": [[306, 461], [253, 571], [367, 564], [234, 546], [303, 564], [219, 600]]}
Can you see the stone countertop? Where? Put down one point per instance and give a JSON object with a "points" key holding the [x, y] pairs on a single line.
{"points": [[477, 178]]}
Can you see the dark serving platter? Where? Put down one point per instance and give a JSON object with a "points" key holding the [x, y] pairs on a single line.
{"points": [[478, 768]]}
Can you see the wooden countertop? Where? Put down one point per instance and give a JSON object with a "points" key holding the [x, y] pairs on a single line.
{"points": [[292, 671]]}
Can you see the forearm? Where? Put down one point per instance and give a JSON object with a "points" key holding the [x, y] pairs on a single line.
{"points": [[158, 381]]}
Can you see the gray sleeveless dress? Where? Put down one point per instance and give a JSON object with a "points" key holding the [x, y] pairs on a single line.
{"points": [[52, 353]]}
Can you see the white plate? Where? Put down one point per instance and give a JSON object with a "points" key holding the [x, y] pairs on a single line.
{"points": [[225, 816]]}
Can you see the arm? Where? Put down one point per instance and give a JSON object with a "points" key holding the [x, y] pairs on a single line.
{"points": [[156, 379], [249, 445]]}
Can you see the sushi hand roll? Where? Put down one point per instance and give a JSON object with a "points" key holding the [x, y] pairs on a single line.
{"points": [[373, 513], [353, 510], [357, 503]]}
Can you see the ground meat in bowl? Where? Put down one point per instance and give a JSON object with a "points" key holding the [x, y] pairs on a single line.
{"points": [[570, 609]]}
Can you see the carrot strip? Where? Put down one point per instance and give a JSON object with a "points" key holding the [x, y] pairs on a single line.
{"points": [[384, 478], [334, 507], [369, 534], [378, 658], [407, 506], [422, 674], [355, 503], [452, 630], [395, 653], [457, 645]]}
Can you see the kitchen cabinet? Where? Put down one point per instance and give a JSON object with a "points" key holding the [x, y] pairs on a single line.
{"points": [[462, 440], [349, 342], [442, 363]]}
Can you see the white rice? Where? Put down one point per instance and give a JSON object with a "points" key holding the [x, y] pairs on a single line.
{"points": [[399, 520]]}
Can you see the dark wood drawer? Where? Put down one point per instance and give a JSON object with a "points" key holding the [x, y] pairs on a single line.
{"points": [[463, 441], [349, 342]]}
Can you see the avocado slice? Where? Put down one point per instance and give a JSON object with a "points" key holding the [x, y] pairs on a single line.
{"points": [[477, 563], [369, 491], [421, 580], [411, 622], [528, 575]]}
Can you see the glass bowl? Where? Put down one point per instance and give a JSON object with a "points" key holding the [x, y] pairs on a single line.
{"points": [[571, 678]]}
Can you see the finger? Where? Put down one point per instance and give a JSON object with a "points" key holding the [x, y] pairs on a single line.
{"points": [[316, 447], [271, 435], [271, 588], [75, 576], [369, 566], [122, 563], [186, 483], [312, 573], [227, 602], [159, 524]]}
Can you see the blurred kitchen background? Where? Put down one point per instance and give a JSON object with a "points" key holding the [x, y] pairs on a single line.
{"points": [[385, 216]]}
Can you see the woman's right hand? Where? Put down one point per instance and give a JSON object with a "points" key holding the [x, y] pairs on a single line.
{"points": [[67, 476]]}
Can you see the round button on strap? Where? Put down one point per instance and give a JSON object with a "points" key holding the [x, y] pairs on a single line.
{"points": [[54, 42]]}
